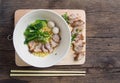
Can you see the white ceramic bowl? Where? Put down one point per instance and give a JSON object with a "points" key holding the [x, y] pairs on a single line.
{"points": [[22, 49]]}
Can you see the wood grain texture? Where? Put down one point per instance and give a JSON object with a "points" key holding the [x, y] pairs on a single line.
{"points": [[103, 40]]}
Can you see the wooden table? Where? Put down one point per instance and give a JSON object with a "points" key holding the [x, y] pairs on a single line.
{"points": [[103, 40]]}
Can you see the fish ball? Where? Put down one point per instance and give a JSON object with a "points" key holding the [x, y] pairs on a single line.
{"points": [[55, 30], [51, 24]]}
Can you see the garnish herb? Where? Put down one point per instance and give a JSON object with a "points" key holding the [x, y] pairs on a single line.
{"points": [[66, 17], [74, 36]]}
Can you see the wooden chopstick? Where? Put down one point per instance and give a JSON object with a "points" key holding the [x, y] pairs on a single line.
{"points": [[37, 71], [47, 74]]}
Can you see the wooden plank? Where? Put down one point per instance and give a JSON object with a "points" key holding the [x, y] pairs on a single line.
{"points": [[103, 44], [89, 6], [6, 44], [109, 77], [102, 5], [103, 24], [88, 79], [91, 78], [96, 74], [96, 10], [93, 44], [103, 59], [93, 5], [103, 70], [101, 15], [94, 59], [99, 24]]}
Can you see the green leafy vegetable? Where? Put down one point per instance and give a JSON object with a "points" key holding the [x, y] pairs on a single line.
{"points": [[43, 36], [73, 37], [28, 39], [75, 34], [34, 32], [66, 17]]}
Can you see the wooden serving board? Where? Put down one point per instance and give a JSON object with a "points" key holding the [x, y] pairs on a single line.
{"points": [[68, 60]]}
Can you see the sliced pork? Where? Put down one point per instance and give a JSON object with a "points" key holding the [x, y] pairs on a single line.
{"points": [[79, 56], [38, 48], [44, 49], [32, 45], [78, 46], [53, 43], [48, 46], [56, 38]]}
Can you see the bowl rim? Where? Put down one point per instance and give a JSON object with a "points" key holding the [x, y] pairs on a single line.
{"points": [[36, 10]]}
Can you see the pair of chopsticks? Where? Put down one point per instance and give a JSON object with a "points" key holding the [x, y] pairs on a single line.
{"points": [[46, 73]]}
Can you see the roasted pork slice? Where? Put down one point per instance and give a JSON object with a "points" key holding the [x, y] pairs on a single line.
{"points": [[80, 28], [78, 46], [79, 56], [73, 20], [79, 37], [32, 45], [38, 48], [44, 49], [77, 29], [77, 23], [56, 38], [48, 46], [53, 43], [74, 30], [73, 16]]}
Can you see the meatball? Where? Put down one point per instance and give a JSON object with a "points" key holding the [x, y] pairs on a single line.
{"points": [[51, 24], [55, 30]]}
